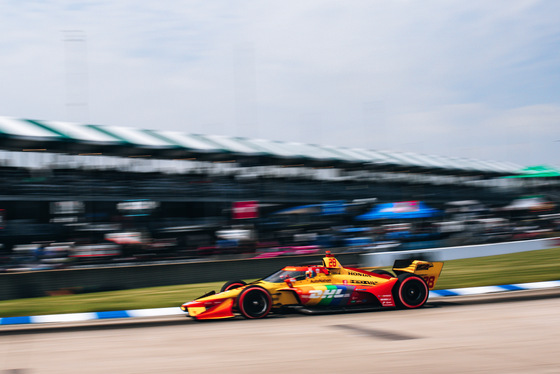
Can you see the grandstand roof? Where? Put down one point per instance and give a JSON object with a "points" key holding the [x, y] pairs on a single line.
{"points": [[76, 138]]}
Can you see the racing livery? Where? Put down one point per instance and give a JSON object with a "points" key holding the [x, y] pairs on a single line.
{"points": [[313, 288]]}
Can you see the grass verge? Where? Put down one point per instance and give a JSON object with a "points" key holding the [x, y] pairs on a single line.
{"points": [[534, 266]]}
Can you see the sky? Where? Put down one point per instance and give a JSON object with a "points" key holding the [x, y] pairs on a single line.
{"points": [[477, 79]]}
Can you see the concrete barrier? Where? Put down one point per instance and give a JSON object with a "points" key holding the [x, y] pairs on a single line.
{"points": [[455, 253], [41, 283]]}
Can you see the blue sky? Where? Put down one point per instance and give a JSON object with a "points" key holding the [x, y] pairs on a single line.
{"points": [[475, 79]]}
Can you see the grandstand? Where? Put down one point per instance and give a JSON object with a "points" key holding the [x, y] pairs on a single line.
{"points": [[193, 177], [83, 139]]}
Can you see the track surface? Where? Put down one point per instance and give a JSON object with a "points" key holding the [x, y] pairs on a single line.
{"points": [[514, 333]]}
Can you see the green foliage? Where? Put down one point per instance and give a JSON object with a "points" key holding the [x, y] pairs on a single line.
{"points": [[533, 266]]}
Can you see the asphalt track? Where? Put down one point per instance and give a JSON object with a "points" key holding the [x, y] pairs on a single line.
{"points": [[515, 332]]}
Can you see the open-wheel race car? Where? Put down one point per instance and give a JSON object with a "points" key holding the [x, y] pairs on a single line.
{"points": [[325, 287]]}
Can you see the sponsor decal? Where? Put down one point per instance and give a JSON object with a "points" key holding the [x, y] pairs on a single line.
{"points": [[359, 281], [325, 294], [358, 274], [386, 300], [320, 280]]}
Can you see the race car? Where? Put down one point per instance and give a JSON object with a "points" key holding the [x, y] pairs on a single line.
{"points": [[325, 287]]}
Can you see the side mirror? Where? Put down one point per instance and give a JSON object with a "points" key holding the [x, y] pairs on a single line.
{"points": [[290, 282]]}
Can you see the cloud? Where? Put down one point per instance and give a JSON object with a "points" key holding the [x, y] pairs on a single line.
{"points": [[468, 79]]}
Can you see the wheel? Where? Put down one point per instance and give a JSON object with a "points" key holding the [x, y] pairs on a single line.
{"points": [[254, 302], [382, 272], [232, 284], [410, 291]]}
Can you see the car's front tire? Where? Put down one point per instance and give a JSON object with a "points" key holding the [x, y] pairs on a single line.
{"points": [[410, 291], [254, 302]]}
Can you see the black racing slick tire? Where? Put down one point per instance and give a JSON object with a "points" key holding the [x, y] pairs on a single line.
{"points": [[254, 302], [410, 291], [382, 272], [232, 284]]}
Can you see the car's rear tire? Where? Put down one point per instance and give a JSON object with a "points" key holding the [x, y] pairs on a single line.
{"points": [[410, 291], [232, 284], [254, 302], [382, 272]]}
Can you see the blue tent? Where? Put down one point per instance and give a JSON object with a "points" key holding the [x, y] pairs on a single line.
{"points": [[400, 210], [354, 229]]}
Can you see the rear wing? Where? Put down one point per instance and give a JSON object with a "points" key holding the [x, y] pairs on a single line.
{"points": [[430, 271]]}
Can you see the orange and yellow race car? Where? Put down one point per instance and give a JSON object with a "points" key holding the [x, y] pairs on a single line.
{"points": [[313, 288]]}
